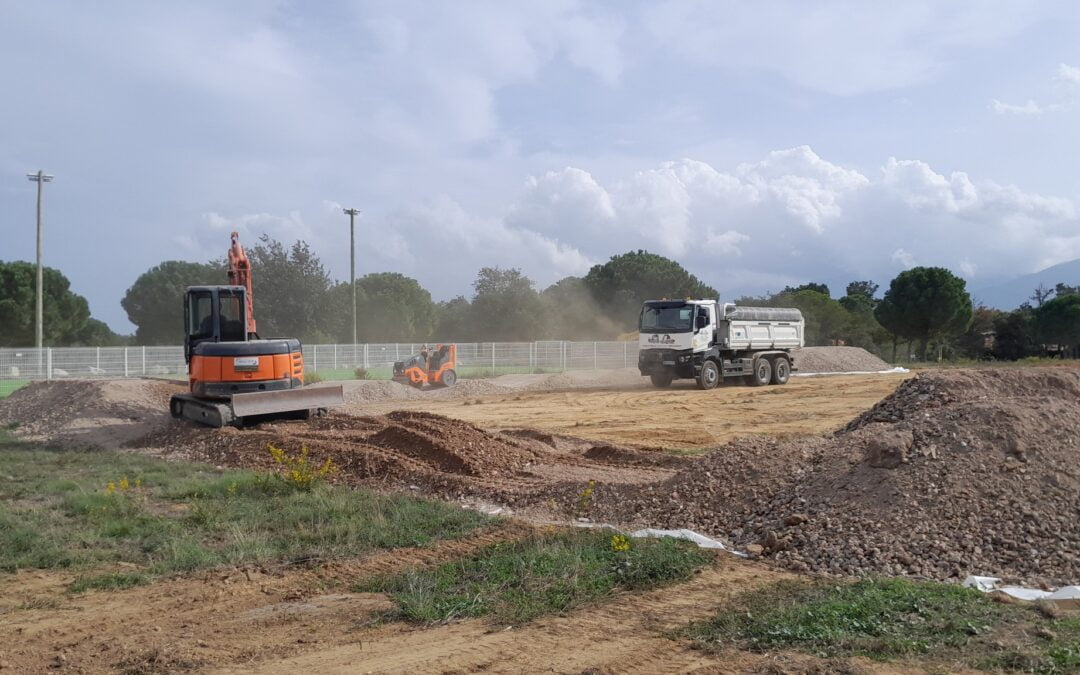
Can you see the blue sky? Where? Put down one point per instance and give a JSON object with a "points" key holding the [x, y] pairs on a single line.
{"points": [[760, 144]]}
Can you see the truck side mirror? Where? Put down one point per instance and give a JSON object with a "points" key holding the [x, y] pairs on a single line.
{"points": [[702, 321]]}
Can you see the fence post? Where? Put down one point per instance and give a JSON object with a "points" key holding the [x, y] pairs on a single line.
{"points": [[314, 358], [125, 362], [144, 360], [493, 358], [365, 356], [594, 355], [335, 357], [98, 363], [48, 363], [624, 354], [562, 355]]}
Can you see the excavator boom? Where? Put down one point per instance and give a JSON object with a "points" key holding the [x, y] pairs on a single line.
{"points": [[240, 275]]}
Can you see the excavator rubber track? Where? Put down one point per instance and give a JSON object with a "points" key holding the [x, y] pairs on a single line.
{"points": [[242, 408]]}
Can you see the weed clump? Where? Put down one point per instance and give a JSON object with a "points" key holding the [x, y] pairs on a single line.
{"points": [[515, 582]]}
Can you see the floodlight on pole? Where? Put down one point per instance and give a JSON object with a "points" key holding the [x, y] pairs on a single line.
{"points": [[352, 213], [40, 178]]}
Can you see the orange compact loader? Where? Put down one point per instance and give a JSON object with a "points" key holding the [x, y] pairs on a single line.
{"points": [[234, 375], [437, 368]]}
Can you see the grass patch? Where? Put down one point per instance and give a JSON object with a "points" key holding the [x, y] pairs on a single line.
{"points": [[889, 618], [57, 511], [111, 581], [515, 582], [8, 387]]}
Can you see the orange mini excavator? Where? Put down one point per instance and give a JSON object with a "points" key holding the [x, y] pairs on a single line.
{"points": [[437, 368], [236, 377]]}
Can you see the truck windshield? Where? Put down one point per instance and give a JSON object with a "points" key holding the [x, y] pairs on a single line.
{"points": [[666, 318]]}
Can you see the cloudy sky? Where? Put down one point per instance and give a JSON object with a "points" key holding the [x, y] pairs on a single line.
{"points": [[760, 144]]}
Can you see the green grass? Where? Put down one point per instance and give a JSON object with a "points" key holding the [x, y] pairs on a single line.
{"points": [[55, 512], [7, 387], [515, 582], [891, 618]]}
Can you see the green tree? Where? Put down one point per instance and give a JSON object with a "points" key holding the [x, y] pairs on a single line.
{"points": [[454, 318], [98, 334], [826, 320], [623, 283], [1057, 323], [1061, 289], [925, 303], [1014, 335], [573, 314], [290, 287], [812, 286], [866, 289], [155, 302], [64, 314], [977, 341], [390, 307], [506, 306]]}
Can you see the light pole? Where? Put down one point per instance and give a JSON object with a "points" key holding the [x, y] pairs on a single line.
{"points": [[352, 213], [40, 178]]}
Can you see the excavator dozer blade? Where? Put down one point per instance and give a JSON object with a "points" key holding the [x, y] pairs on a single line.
{"points": [[274, 402]]}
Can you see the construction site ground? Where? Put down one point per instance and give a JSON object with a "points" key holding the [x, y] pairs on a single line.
{"points": [[530, 444], [680, 417]]}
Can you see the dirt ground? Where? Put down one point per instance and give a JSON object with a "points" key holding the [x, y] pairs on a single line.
{"points": [[292, 621], [914, 467], [681, 417]]}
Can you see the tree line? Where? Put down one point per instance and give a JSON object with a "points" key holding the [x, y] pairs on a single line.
{"points": [[925, 313]]}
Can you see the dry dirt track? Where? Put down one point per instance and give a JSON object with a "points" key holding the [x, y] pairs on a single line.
{"points": [[624, 635], [680, 417]]}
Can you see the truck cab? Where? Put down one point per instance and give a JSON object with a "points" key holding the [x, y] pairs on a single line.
{"points": [[710, 342]]}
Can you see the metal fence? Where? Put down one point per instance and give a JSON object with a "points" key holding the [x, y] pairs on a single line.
{"points": [[18, 365]]}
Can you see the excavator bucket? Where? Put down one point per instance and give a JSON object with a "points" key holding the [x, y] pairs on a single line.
{"points": [[291, 400]]}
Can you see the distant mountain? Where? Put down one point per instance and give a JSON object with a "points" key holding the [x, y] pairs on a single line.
{"points": [[1011, 294]]}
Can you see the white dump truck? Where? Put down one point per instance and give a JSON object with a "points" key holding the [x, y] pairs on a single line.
{"points": [[711, 342]]}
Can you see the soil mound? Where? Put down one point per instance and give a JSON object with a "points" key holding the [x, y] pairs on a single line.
{"points": [[90, 413], [415, 450], [837, 360], [958, 472]]}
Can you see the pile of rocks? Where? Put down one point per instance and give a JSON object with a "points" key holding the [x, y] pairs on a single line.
{"points": [[958, 472]]}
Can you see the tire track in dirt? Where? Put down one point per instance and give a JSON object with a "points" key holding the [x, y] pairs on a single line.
{"points": [[626, 634], [219, 617]]}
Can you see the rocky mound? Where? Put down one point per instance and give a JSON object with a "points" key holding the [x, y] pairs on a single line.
{"points": [[837, 360], [958, 472], [95, 413]]}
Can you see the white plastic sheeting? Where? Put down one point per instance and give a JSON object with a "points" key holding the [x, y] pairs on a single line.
{"points": [[1066, 595], [897, 369]]}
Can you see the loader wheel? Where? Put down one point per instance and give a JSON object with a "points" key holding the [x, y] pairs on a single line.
{"points": [[781, 370], [709, 376], [661, 380], [449, 377], [762, 373]]}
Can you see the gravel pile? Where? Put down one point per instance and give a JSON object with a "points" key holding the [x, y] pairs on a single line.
{"points": [[958, 472], [837, 360], [89, 413]]}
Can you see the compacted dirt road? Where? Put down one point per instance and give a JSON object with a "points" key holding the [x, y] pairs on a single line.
{"points": [[681, 417]]}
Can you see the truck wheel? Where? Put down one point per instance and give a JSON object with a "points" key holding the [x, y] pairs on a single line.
{"points": [[709, 376], [781, 370], [762, 373], [661, 380]]}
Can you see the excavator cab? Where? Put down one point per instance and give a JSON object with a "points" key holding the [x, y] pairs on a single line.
{"points": [[437, 367], [214, 314]]}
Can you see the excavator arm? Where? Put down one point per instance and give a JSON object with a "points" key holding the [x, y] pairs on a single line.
{"points": [[240, 275]]}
